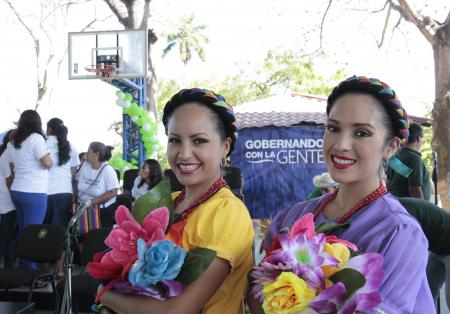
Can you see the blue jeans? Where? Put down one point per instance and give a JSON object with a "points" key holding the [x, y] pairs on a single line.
{"points": [[31, 209], [59, 208], [438, 273], [8, 235]]}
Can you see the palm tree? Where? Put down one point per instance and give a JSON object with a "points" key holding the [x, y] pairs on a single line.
{"points": [[188, 37]]}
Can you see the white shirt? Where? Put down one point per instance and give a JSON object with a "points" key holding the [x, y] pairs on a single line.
{"points": [[29, 174], [60, 177], [106, 181], [137, 192], [6, 204]]}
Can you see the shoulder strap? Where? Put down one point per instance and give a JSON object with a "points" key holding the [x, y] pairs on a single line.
{"points": [[98, 175]]}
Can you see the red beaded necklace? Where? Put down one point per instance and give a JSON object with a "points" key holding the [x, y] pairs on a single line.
{"points": [[213, 189], [380, 191]]}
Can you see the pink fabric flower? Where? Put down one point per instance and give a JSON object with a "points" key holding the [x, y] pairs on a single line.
{"points": [[122, 239], [304, 224], [113, 265]]}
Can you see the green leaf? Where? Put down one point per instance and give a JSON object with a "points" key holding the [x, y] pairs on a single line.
{"points": [[195, 264], [159, 196], [352, 279], [330, 226]]}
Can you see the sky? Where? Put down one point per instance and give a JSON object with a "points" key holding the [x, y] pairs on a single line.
{"points": [[240, 34]]}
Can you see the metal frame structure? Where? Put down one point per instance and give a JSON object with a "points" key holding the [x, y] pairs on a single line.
{"points": [[133, 149]]}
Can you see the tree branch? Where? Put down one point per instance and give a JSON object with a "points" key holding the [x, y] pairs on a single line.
{"points": [[405, 10], [382, 9], [117, 12], [29, 30], [386, 22], [144, 22], [323, 21]]}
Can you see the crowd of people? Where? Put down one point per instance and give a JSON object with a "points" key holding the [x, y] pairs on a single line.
{"points": [[43, 179], [366, 127]]}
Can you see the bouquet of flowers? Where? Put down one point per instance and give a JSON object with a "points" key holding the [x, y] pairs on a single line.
{"points": [[308, 272], [141, 260]]}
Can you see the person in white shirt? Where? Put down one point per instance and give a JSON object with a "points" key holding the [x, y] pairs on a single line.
{"points": [[150, 175], [97, 182], [66, 162], [30, 158], [8, 216]]}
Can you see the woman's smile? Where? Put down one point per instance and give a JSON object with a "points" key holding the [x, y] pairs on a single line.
{"points": [[341, 162]]}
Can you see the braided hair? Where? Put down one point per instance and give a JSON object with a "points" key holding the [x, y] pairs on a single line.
{"points": [[397, 116], [226, 122], [60, 131]]}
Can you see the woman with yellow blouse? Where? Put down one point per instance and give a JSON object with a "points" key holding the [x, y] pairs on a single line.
{"points": [[201, 130]]}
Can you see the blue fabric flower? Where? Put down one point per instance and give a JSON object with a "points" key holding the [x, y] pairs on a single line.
{"points": [[161, 261]]}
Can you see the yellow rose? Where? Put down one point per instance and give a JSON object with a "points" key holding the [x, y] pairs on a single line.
{"points": [[340, 252], [289, 294]]}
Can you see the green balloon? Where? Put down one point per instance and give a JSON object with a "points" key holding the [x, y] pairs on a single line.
{"points": [[133, 109]]}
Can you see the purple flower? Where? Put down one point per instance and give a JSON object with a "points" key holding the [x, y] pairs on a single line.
{"points": [[265, 273], [329, 300], [171, 288], [304, 257], [366, 297]]}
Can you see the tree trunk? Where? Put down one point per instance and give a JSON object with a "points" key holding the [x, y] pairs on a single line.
{"points": [[441, 110]]}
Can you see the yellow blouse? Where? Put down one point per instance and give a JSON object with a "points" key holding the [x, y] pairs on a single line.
{"points": [[223, 224]]}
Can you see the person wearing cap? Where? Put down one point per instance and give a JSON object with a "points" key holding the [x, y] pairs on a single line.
{"points": [[201, 133], [366, 124]]}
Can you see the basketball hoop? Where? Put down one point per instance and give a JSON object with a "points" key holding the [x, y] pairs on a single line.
{"points": [[101, 69]]}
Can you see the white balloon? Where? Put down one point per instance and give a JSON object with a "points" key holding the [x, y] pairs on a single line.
{"points": [[119, 102], [155, 147], [154, 138], [121, 95], [126, 104], [146, 127], [152, 116], [134, 118]]}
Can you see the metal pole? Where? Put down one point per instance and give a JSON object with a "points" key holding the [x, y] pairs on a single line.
{"points": [[66, 305]]}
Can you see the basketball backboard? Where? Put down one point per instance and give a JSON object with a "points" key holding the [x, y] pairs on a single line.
{"points": [[108, 54]]}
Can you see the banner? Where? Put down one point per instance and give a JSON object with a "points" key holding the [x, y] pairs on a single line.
{"points": [[278, 165]]}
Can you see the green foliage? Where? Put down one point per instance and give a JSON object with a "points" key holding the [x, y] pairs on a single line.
{"points": [[188, 37], [280, 72], [426, 149], [286, 70], [196, 262], [352, 279], [164, 91], [158, 196]]}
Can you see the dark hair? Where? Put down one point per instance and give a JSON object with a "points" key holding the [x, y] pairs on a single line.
{"points": [[6, 138], [222, 112], [104, 152], [29, 123], [155, 175], [415, 132], [81, 155], [60, 131], [393, 115]]}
